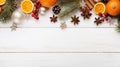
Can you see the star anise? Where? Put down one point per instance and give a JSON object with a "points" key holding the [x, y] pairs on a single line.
{"points": [[63, 25], [53, 19], [98, 21], [75, 20], [85, 12], [13, 27]]}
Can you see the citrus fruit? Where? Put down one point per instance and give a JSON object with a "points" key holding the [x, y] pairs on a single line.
{"points": [[2, 2], [113, 7], [0, 9], [48, 3], [99, 8], [27, 6]]}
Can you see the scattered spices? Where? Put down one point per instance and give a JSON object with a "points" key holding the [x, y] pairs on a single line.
{"points": [[56, 9], [85, 12], [13, 27], [98, 21], [63, 25], [53, 19], [75, 20]]}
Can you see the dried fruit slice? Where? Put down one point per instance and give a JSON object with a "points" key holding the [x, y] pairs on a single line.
{"points": [[27, 6], [99, 8], [0, 9], [2, 2]]}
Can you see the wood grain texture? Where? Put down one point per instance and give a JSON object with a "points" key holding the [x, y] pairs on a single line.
{"points": [[59, 60], [44, 44], [57, 40]]}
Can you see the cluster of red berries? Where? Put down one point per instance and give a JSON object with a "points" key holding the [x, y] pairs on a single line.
{"points": [[104, 17], [35, 12]]}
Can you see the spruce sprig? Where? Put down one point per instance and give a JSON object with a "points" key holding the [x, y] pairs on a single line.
{"points": [[118, 26], [8, 9], [68, 6]]}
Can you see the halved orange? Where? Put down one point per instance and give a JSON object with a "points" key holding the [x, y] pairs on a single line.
{"points": [[99, 8], [2, 2], [27, 6]]}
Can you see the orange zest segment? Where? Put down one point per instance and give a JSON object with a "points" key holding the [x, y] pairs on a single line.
{"points": [[27, 6], [99, 8], [2, 2]]}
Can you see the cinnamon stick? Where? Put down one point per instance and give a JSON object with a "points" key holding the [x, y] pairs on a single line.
{"points": [[92, 2], [88, 3], [88, 8]]}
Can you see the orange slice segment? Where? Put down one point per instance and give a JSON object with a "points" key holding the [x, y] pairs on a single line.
{"points": [[99, 8], [2, 2], [27, 6]]}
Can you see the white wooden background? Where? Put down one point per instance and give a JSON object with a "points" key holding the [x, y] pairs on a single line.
{"points": [[44, 44]]}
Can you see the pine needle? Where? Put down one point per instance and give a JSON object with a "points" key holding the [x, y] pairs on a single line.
{"points": [[68, 7], [118, 26], [8, 9]]}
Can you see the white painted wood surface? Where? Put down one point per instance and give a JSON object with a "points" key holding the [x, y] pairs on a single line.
{"points": [[57, 40], [43, 44], [59, 60]]}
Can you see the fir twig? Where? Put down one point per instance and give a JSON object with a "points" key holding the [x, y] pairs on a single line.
{"points": [[118, 26], [68, 6], [8, 9]]}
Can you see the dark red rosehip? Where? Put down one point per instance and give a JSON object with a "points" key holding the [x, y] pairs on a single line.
{"points": [[37, 1], [38, 6], [37, 10], [105, 14], [35, 4], [36, 14], [33, 11], [32, 15], [102, 19], [100, 14], [106, 19]]}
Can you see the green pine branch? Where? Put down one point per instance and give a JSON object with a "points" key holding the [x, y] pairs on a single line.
{"points": [[8, 9], [118, 26], [68, 7]]}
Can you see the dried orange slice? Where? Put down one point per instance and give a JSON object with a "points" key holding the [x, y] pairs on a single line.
{"points": [[99, 8], [27, 6], [2, 2]]}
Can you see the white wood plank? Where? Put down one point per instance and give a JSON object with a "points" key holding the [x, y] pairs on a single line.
{"points": [[59, 60], [57, 40], [45, 22]]}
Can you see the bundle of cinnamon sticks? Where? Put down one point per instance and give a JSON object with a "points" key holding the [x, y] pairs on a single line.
{"points": [[89, 4]]}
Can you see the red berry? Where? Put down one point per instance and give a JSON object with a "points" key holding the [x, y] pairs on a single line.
{"points": [[35, 4], [37, 18], [36, 14], [37, 1], [32, 15], [37, 10], [38, 6], [105, 14], [100, 14], [102, 19], [33, 11], [106, 19]]}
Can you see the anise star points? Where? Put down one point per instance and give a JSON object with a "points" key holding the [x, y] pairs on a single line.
{"points": [[75, 20], [53, 19], [85, 12], [98, 21], [13, 27]]}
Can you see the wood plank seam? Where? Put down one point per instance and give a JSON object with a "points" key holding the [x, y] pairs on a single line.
{"points": [[64, 52], [59, 27]]}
